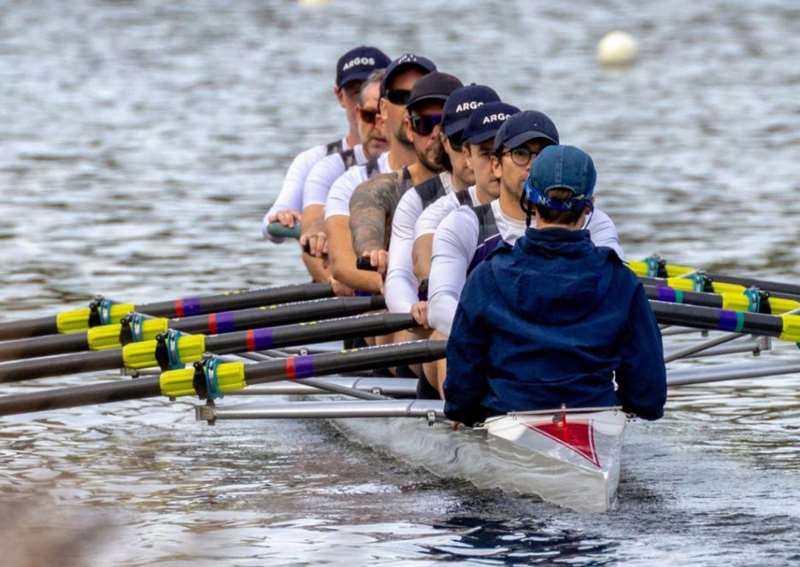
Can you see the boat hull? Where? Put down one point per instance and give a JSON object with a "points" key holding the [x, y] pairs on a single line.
{"points": [[518, 453]]}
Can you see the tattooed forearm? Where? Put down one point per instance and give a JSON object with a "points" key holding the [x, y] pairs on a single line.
{"points": [[371, 208]]}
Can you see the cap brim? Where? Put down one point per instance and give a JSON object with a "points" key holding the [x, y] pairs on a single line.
{"points": [[356, 76], [455, 126], [426, 98], [520, 139], [480, 137]]}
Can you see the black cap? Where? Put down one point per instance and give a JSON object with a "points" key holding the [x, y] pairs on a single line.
{"points": [[433, 86], [358, 63], [524, 127], [405, 61], [486, 121]]}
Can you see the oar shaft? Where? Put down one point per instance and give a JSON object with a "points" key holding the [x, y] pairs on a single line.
{"points": [[240, 341], [293, 368], [182, 307], [214, 323]]}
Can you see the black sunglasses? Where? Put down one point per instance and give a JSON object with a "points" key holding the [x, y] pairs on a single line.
{"points": [[368, 116], [398, 96], [423, 124]]}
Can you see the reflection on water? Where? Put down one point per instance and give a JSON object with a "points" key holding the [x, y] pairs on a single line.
{"points": [[142, 142]]}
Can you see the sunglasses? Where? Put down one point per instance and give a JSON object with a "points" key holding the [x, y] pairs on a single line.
{"points": [[398, 96], [425, 123], [368, 116]]}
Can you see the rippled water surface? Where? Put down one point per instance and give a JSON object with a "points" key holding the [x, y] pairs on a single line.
{"points": [[143, 140]]}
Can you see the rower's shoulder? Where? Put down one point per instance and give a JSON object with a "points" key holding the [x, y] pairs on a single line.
{"points": [[381, 190]]}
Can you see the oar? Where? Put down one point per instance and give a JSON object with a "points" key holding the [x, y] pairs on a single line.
{"points": [[212, 378], [698, 280], [751, 300], [278, 230], [784, 327], [113, 336], [173, 349], [103, 311]]}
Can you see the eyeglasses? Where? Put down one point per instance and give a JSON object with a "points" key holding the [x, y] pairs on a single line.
{"points": [[398, 96], [423, 124], [521, 156], [368, 116]]}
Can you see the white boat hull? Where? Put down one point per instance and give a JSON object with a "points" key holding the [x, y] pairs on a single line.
{"points": [[568, 458]]}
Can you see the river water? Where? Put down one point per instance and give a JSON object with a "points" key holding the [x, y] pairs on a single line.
{"points": [[143, 140]]}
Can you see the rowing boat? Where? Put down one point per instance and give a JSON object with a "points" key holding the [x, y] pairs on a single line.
{"points": [[566, 457]]}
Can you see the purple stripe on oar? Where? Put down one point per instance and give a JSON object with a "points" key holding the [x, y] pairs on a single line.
{"points": [[666, 294], [191, 306], [727, 320], [225, 322], [304, 366], [261, 339]]}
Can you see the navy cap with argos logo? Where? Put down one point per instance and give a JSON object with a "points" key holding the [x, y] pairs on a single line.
{"points": [[524, 127], [461, 103], [358, 63], [486, 120], [405, 61]]}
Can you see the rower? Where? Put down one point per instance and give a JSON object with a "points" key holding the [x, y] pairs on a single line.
{"points": [[467, 235], [374, 202], [395, 89], [330, 168], [554, 321], [401, 287], [351, 69]]}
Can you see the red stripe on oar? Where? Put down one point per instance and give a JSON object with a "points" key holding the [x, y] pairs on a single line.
{"points": [[251, 340], [290, 370], [212, 323], [179, 308]]}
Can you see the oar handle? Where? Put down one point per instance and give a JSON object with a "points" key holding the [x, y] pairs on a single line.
{"points": [[280, 231], [364, 263]]}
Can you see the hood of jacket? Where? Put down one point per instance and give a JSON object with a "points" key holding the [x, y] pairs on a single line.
{"points": [[553, 276]]}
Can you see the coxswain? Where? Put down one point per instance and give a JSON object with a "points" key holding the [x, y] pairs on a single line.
{"points": [[373, 143], [554, 321], [467, 235], [395, 90], [351, 69]]}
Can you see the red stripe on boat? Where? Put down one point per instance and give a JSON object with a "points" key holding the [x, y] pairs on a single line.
{"points": [[576, 435]]}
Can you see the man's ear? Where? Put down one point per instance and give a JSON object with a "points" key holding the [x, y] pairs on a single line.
{"points": [[497, 166], [407, 126], [339, 94]]}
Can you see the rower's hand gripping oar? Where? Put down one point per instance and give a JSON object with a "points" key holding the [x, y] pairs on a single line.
{"points": [[211, 379], [278, 230], [171, 349]]}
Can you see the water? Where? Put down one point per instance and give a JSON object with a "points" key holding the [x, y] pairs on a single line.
{"points": [[143, 140]]}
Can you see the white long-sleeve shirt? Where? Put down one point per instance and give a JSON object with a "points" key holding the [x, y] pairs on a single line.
{"points": [[291, 194], [338, 201], [325, 172], [435, 213], [401, 285], [456, 241]]}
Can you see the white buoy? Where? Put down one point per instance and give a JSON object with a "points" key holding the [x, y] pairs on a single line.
{"points": [[617, 48]]}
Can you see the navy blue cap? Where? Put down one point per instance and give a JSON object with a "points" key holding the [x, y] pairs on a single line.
{"points": [[523, 127], [561, 167], [486, 120], [406, 61], [433, 86], [460, 105], [358, 63]]}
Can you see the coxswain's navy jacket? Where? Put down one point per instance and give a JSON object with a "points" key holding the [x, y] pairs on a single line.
{"points": [[554, 320]]}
